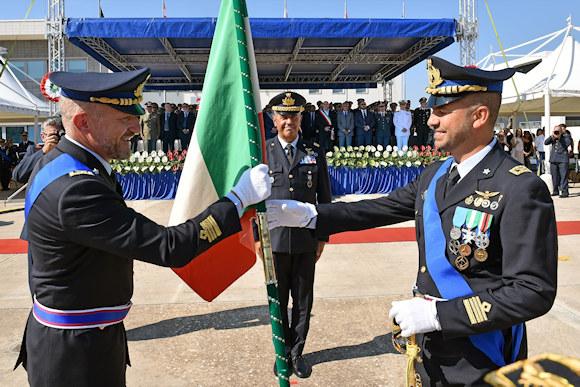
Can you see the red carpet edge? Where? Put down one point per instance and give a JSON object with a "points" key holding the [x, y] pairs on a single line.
{"points": [[376, 235]]}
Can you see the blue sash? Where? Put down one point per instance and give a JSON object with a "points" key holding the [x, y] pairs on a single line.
{"points": [[450, 283], [60, 166]]}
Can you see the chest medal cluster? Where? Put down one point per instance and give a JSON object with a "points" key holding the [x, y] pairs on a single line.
{"points": [[485, 199], [469, 235]]}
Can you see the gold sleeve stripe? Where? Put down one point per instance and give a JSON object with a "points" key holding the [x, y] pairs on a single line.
{"points": [[476, 309], [210, 230]]}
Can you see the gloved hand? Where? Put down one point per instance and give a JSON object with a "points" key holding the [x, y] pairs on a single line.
{"points": [[416, 315], [290, 213], [253, 187]]}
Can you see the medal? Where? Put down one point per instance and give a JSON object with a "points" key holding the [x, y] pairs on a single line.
{"points": [[469, 200], [465, 250], [482, 241], [477, 201], [485, 203], [494, 205], [480, 255], [468, 236], [309, 182], [458, 220], [454, 246], [455, 233], [461, 262]]}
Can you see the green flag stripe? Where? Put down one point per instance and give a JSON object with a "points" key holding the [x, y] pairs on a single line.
{"points": [[227, 127]]}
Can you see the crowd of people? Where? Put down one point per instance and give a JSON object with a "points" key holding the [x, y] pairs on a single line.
{"points": [[341, 124]]}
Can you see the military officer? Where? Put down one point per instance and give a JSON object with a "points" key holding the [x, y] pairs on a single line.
{"points": [[478, 281], [298, 172], [422, 134], [83, 238]]}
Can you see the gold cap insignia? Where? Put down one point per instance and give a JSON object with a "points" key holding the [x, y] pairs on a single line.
{"points": [[288, 101], [434, 75], [519, 169], [210, 230]]}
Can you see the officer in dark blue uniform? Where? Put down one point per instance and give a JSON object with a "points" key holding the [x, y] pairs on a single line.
{"points": [[298, 171], [83, 238], [478, 280]]}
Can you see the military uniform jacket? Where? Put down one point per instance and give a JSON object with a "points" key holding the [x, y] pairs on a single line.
{"points": [[516, 283], [420, 118], [305, 180], [83, 238], [384, 122]]}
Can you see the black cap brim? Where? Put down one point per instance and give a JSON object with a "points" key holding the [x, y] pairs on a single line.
{"points": [[136, 110], [440, 100]]}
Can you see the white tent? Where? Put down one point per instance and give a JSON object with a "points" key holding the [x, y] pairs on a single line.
{"points": [[15, 101], [553, 86]]}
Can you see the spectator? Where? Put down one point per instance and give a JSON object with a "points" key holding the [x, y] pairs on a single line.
{"points": [[325, 125], [6, 163], [421, 131], [186, 123], [509, 137], [24, 143], [150, 125], [541, 154], [364, 124], [168, 127], [528, 148], [384, 124], [503, 142], [559, 161], [517, 151], [52, 131], [391, 112], [345, 125], [403, 121], [308, 125]]}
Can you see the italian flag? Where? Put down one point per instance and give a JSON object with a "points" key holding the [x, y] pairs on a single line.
{"points": [[227, 139]]}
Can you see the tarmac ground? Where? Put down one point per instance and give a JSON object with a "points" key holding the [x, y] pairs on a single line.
{"points": [[177, 339]]}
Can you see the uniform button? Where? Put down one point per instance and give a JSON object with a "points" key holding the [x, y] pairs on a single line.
{"points": [[291, 189], [423, 269], [290, 176]]}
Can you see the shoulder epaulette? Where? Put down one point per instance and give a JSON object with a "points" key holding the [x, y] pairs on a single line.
{"points": [[81, 172], [519, 169]]}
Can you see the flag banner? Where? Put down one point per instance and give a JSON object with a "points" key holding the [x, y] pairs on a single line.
{"points": [[226, 140]]}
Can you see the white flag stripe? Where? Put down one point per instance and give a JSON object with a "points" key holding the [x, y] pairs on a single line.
{"points": [[195, 191]]}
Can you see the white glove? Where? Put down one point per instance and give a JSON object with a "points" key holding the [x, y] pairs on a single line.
{"points": [[290, 213], [253, 187], [416, 315]]}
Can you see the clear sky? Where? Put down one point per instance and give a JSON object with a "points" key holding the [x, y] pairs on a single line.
{"points": [[516, 20]]}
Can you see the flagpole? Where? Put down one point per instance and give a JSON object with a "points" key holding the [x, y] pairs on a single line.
{"points": [[285, 9]]}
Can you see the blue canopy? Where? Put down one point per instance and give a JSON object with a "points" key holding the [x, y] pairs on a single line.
{"points": [[290, 53]]}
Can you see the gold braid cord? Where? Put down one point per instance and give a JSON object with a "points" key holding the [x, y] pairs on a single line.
{"points": [[446, 90], [409, 347]]}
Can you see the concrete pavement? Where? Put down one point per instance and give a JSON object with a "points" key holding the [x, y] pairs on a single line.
{"points": [[177, 339]]}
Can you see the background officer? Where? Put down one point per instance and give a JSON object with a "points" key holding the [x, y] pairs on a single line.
{"points": [[421, 130], [83, 238], [478, 281], [298, 172]]}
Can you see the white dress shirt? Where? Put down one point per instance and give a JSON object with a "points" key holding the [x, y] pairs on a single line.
{"points": [[467, 165]]}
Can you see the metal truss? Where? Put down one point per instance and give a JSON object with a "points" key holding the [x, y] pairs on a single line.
{"points": [[171, 51], [412, 54], [390, 64], [281, 58], [467, 31], [295, 52], [109, 53], [356, 50], [55, 36]]}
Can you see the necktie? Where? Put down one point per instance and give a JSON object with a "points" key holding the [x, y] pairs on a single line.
{"points": [[312, 116], [290, 153], [452, 179], [364, 114]]}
